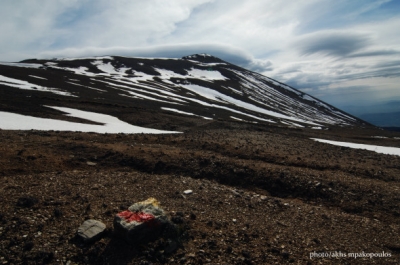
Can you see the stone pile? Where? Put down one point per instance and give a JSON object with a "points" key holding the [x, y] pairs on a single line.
{"points": [[142, 222]]}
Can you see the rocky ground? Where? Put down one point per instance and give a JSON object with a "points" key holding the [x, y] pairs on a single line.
{"points": [[261, 195]]}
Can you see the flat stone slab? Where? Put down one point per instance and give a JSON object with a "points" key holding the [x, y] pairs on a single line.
{"points": [[91, 230]]}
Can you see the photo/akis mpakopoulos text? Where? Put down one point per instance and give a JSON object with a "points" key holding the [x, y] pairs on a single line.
{"points": [[354, 255]]}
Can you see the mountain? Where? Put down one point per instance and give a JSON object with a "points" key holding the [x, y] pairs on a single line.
{"points": [[160, 93], [391, 119]]}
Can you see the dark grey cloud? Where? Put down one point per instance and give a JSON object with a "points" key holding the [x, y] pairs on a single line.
{"points": [[372, 73], [258, 66], [375, 53], [307, 85], [332, 43], [395, 63], [309, 81], [296, 68]]}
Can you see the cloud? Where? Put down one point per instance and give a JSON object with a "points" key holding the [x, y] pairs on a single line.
{"points": [[332, 43], [375, 53], [334, 76], [289, 69], [390, 64], [259, 65], [309, 81], [27, 24], [35, 25]]}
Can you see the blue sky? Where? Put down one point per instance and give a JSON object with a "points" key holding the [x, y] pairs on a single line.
{"points": [[346, 53]]}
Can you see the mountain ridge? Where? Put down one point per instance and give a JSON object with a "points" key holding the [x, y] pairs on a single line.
{"points": [[198, 85]]}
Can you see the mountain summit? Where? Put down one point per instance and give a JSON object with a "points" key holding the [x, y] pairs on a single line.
{"points": [[161, 93], [203, 57]]}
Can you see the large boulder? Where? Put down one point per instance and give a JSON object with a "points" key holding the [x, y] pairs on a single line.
{"points": [[142, 222]]}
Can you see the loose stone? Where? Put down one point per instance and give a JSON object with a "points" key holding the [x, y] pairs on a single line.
{"points": [[91, 230]]}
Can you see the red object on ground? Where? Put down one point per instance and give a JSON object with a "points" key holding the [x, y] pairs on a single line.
{"points": [[136, 216]]}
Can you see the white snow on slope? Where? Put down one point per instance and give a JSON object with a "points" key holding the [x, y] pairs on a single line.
{"points": [[139, 92], [206, 74], [25, 65], [205, 92], [292, 124], [79, 71], [107, 68], [232, 117], [139, 76], [192, 73], [21, 84], [141, 96], [281, 85], [215, 95], [13, 121], [229, 109], [38, 77], [206, 64], [158, 90], [375, 148], [75, 84], [322, 104], [184, 112], [256, 87], [168, 74], [86, 58]]}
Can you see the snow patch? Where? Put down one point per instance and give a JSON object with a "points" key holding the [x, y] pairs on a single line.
{"points": [[87, 58], [75, 84], [13, 121], [192, 73], [21, 84], [106, 68], [232, 117], [293, 124], [38, 77], [184, 112], [215, 95], [206, 74], [375, 148], [25, 65]]}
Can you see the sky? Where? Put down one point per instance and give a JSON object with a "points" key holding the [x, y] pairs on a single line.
{"points": [[343, 52]]}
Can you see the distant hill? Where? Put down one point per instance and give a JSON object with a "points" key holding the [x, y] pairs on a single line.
{"points": [[394, 129], [391, 119]]}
